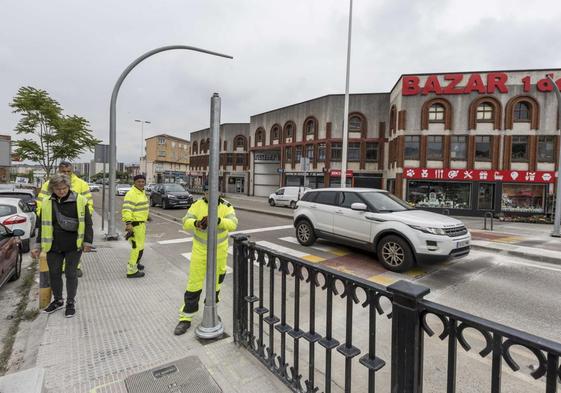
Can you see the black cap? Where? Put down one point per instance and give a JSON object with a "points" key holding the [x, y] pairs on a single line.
{"points": [[137, 177]]}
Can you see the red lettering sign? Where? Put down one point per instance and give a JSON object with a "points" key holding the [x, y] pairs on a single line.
{"points": [[410, 86], [480, 174], [337, 173]]}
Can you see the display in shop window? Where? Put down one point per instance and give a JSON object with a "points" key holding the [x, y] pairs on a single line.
{"points": [[443, 195], [523, 198]]}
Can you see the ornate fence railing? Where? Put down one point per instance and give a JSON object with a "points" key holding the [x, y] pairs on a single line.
{"points": [[285, 336]]}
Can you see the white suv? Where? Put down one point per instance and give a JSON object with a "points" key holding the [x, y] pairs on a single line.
{"points": [[379, 221]]}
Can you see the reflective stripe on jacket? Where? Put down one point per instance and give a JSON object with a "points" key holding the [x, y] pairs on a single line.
{"points": [[199, 210], [47, 222], [77, 185], [135, 206]]}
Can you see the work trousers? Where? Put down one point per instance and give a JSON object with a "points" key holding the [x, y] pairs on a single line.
{"points": [[197, 275], [137, 247], [55, 260]]}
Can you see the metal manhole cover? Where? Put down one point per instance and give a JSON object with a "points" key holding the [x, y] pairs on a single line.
{"points": [[187, 375]]}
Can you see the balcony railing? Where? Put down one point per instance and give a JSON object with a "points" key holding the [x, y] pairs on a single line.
{"points": [[298, 333]]}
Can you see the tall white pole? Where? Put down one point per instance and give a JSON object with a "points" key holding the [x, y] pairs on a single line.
{"points": [[346, 111], [557, 220]]}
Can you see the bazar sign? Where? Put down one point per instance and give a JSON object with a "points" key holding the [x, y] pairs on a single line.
{"points": [[466, 84], [337, 173], [480, 174]]}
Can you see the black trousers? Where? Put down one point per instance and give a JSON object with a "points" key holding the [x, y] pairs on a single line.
{"points": [[55, 261]]}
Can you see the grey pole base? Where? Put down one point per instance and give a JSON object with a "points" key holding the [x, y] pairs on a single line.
{"points": [[208, 333]]}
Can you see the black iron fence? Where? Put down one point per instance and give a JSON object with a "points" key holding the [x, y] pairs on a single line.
{"points": [[285, 331]]}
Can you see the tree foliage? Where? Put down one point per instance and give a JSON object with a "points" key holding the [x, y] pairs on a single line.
{"points": [[51, 136]]}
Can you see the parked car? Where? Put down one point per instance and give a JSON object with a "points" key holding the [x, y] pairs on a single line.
{"points": [[122, 189], [16, 214], [170, 195], [380, 222], [287, 196], [10, 254], [27, 195], [94, 187]]}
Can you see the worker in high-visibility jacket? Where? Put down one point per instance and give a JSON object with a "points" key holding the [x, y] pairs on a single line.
{"points": [[77, 185], [196, 220], [65, 231], [135, 214]]}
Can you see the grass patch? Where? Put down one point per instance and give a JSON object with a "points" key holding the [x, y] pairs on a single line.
{"points": [[19, 315]]}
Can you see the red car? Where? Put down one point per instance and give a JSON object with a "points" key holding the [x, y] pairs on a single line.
{"points": [[10, 254]]}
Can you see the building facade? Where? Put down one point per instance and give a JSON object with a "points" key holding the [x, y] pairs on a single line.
{"points": [[5, 158], [234, 158], [475, 142], [166, 160], [462, 143]]}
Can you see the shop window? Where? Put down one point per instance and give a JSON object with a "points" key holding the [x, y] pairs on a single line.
{"points": [[485, 113], [434, 147], [372, 152], [483, 148], [336, 151], [523, 198], [519, 148], [353, 152], [458, 147], [449, 195], [298, 154], [436, 113], [546, 148], [355, 124], [288, 153], [321, 152], [310, 151], [522, 112], [486, 196], [412, 147]]}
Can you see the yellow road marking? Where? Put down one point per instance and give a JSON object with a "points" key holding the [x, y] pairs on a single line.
{"points": [[508, 239], [313, 258], [383, 280], [415, 273]]}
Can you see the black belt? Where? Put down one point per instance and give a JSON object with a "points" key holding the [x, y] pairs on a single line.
{"points": [[136, 223]]}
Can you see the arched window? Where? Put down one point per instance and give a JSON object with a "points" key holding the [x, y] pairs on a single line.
{"points": [[522, 109], [275, 133], [485, 110], [240, 141], [485, 113], [289, 131], [310, 127], [436, 111], [260, 137], [355, 123], [194, 148]]}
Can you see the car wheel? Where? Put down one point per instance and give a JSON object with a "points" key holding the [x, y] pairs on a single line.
{"points": [[164, 204], [395, 254], [293, 204], [272, 202], [25, 245], [305, 233], [17, 273], [152, 203]]}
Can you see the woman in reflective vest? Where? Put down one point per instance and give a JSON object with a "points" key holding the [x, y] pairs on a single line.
{"points": [[196, 220], [65, 231]]}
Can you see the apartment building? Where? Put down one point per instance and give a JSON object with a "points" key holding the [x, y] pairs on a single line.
{"points": [[166, 160]]}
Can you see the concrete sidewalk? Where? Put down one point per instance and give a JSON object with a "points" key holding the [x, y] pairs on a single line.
{"points": [[530, 241], [125, 326]]}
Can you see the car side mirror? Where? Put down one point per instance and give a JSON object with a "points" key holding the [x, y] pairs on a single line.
{"points": [[18, 232], [359, 207]]}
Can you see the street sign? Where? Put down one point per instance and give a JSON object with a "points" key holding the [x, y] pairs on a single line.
{"points": [[101, 153]]}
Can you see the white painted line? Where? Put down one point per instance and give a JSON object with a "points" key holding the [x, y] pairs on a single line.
{"points": [[293, 240], [281, 249], [536, 265], [184, 232], [256, 230]]}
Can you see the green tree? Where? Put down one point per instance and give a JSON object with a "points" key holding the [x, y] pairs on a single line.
{"points": [[52, 136]]}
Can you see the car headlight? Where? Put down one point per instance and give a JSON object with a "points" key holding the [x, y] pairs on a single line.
{"points": [[432, 231], [172, 197]]}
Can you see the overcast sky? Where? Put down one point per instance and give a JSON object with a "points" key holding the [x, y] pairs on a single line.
{"points": [[285, 51]]}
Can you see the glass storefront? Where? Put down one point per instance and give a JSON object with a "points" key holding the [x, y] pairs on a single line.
{"points": [[446, 195], [523, 198]]}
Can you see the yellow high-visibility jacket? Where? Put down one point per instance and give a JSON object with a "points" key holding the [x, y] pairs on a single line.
{"points": [[47, 222], [135, 206], [77, 185]]}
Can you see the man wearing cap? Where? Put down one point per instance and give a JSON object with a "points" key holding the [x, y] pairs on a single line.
{"points": [[77, 185], [134, 215], [196, 220]]}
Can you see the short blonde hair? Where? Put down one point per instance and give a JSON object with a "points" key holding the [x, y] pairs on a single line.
{"points": [[57, 180]]}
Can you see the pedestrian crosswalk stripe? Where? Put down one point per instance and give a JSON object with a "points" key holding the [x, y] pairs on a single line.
{"points": [[291, 252], [246, 231], [331, 250]]}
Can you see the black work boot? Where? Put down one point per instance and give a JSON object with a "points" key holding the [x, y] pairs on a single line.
{"points": [[138, 274], [182, 327], [140, 266]]}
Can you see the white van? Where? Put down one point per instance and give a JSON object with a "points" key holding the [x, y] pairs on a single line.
{"points": [[287, 196]]}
